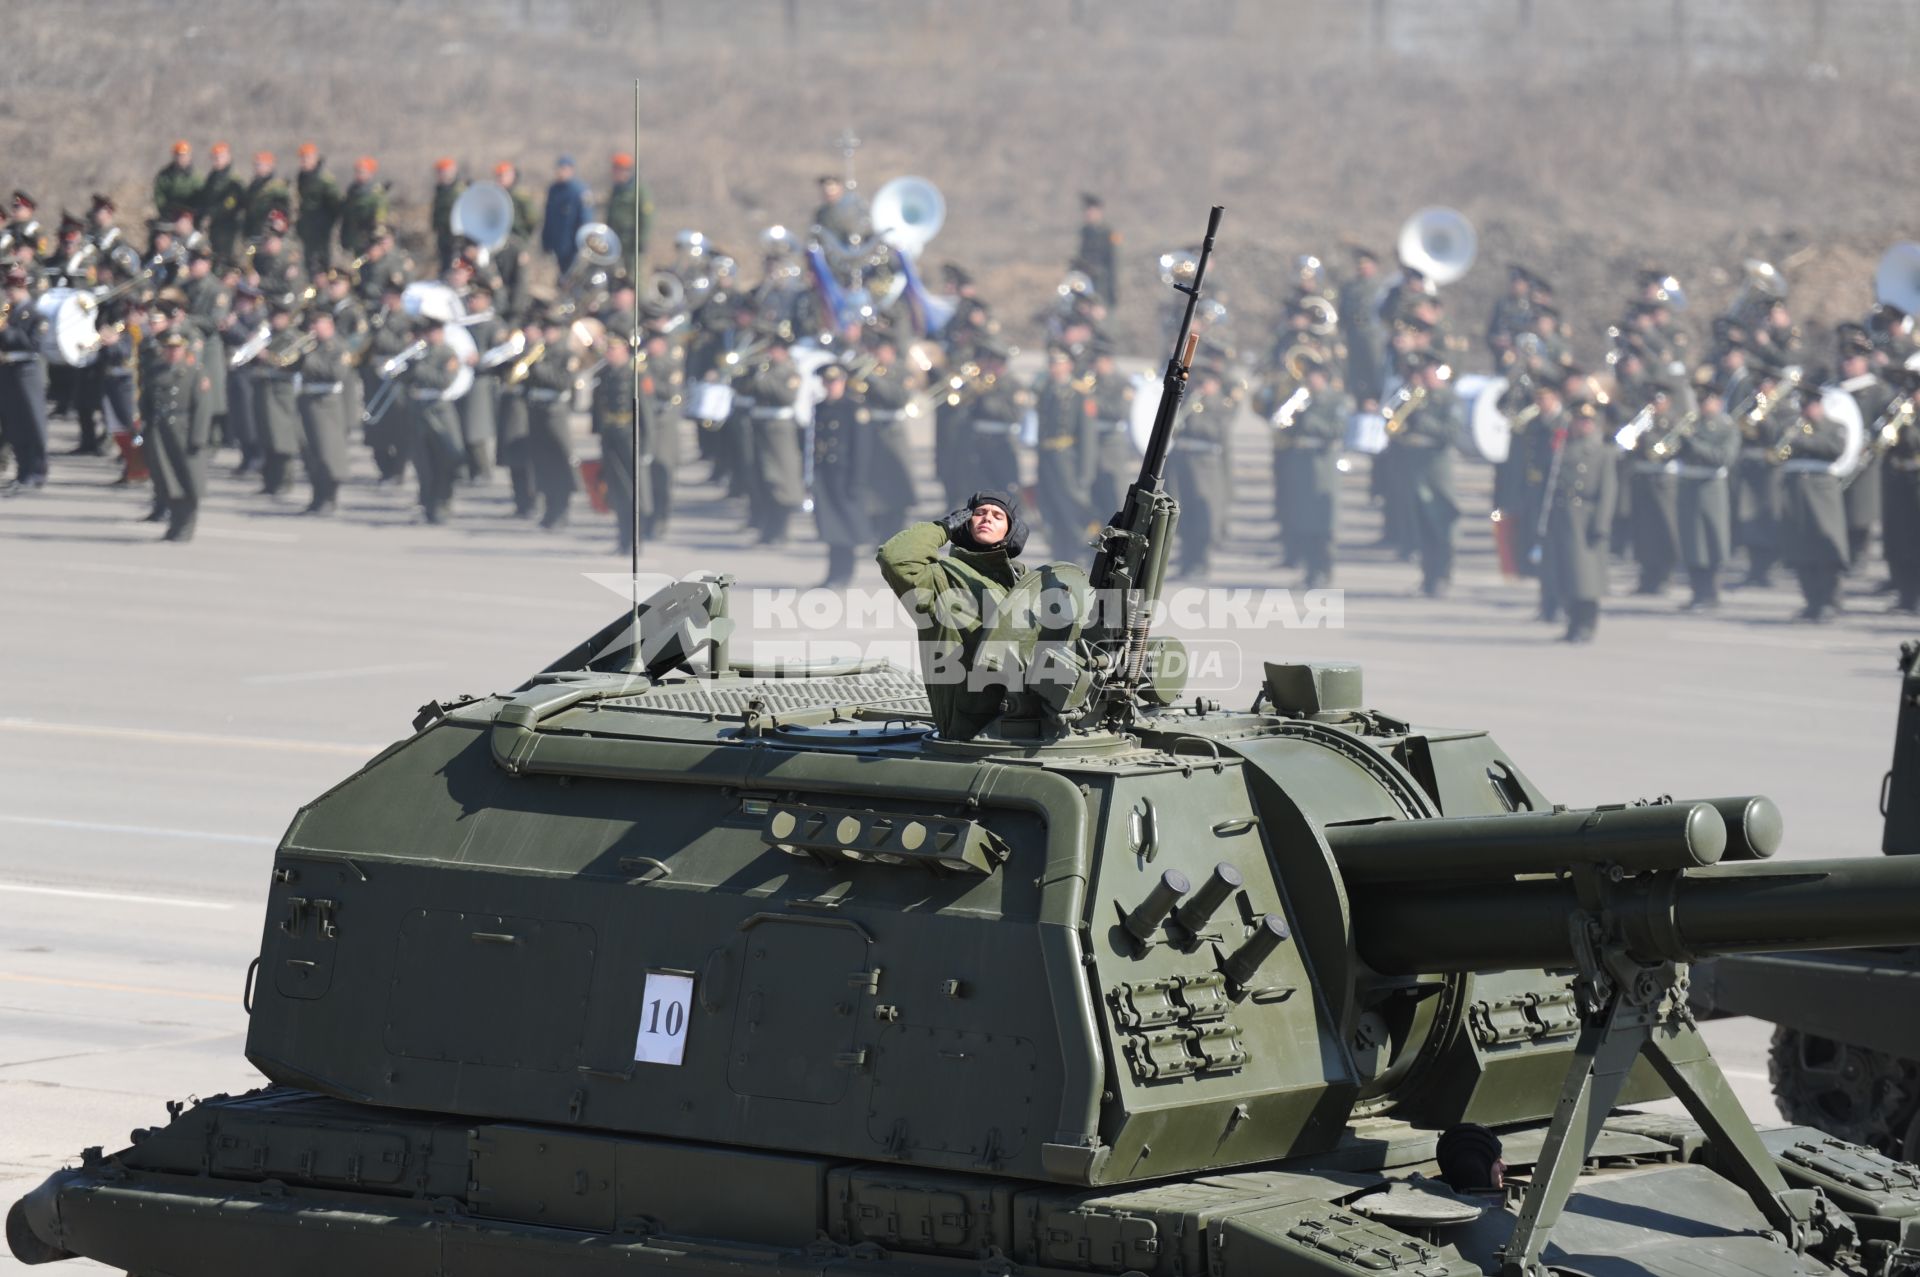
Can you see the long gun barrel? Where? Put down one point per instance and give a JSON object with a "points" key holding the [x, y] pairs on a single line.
{"points": [[1672, 915]]}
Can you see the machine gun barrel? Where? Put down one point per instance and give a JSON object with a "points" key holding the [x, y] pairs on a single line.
{"points": [[1134, 546], [1673, 915]]}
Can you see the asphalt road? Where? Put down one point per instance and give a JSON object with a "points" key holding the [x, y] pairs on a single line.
{"points": [[167, 707]]}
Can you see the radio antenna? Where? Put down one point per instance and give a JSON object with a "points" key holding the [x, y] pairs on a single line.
{"points": [[635, 478]]}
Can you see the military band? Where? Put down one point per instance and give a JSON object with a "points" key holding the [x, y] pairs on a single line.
{"points": [[297, 312]]}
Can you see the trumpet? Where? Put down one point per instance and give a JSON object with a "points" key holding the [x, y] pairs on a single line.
{"points": [[1898, 417], [1669, 443], [968, 383], [1783, 449], [1403, 404], [517, 372], [290, 354], [736, 362], [1763, 405]]}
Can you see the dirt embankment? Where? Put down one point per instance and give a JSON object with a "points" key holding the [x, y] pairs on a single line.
{"points": [[1583, 146]]}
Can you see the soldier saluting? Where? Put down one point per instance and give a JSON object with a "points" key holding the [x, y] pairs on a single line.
{"points": [[176, 417]]}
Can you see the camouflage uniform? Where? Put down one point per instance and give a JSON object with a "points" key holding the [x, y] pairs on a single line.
{"points": [[362, 208], [222, 210], [175, 186], [319, 213]]}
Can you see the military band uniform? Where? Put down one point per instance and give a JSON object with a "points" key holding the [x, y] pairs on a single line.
{"points": [[350, 326], [1579, 514], [279, 268], [515, 443], [843, 451], [237, 390], [1862, 489], [1900, 517], [150, 361], [1656, 518], [276, 412], [549, 434], [478, 408], [177, 423], [1705, 451], [114, 368], [663, 383], [1424, 469], [388, 437], [776, 479], [612, 414], [1064, 445], [951, 440], [1537, 443], [993, 426], [324, 375], [434, 428], [208, 302], [1115, 463], [1198, 478], [1313, 496], [1098, 242], [23, 394], [1758, 497], [885, 395], [445, 242], [1813, 522]]}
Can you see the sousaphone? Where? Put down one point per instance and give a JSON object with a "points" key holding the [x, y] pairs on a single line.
{"points": [[1439, 243]]}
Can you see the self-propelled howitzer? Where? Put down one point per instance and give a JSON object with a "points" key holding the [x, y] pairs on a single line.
{"points": [[660, 963]]}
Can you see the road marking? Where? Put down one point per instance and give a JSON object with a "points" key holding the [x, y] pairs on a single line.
{"points": [[74, 893], [143, 831], [191, 738], [316, 676]]}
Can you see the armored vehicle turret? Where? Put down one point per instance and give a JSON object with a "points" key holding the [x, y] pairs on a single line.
{"points": [[661, 963]]}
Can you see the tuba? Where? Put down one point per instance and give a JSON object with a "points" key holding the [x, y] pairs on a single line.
{"points": [[907, 213], [484, 214], [1439, 243], [1764, 286], [1325, 319], [1896, 282]]}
